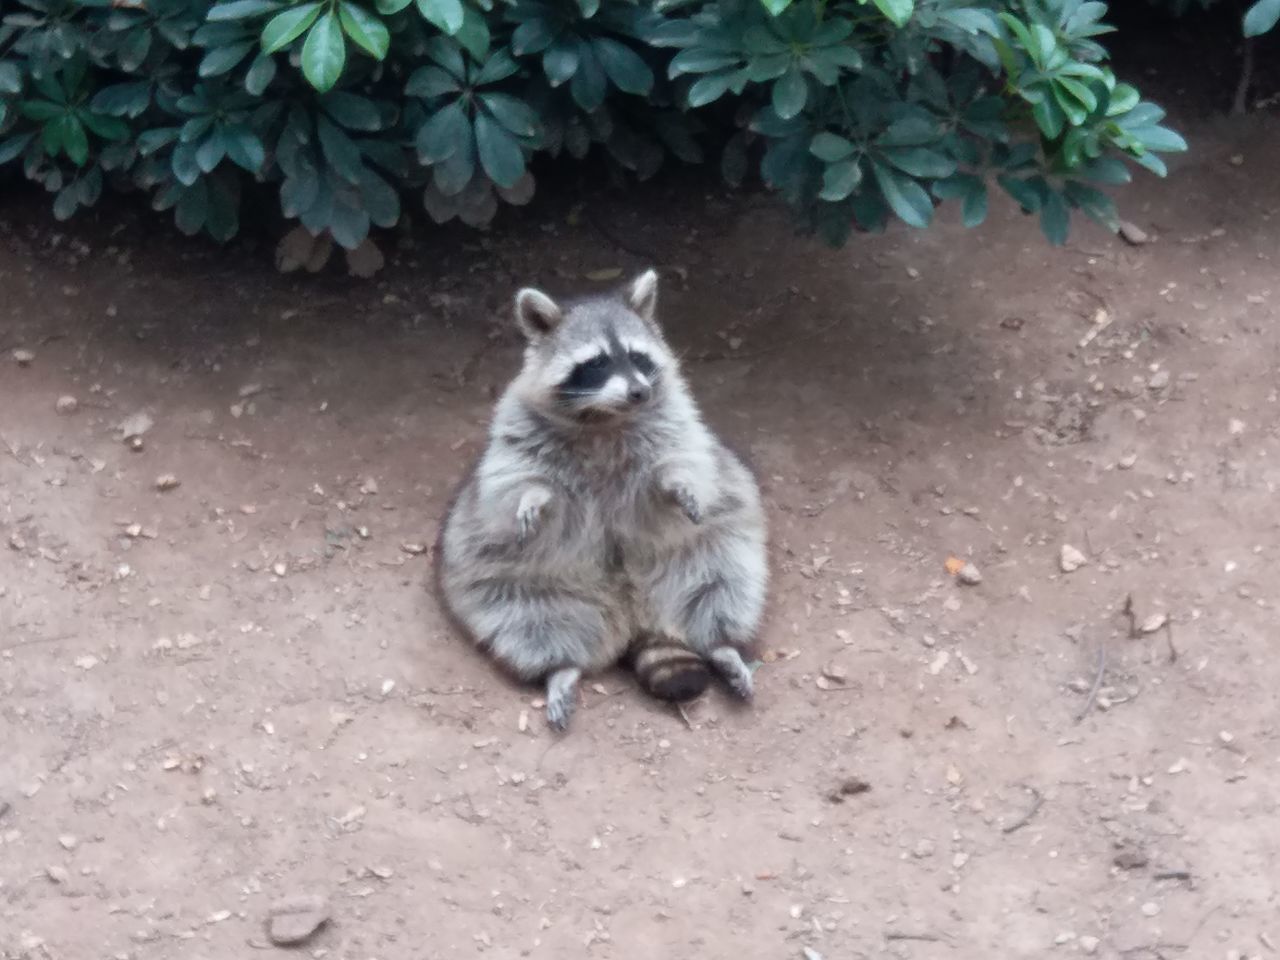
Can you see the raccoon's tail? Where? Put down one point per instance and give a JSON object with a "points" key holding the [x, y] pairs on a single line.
{"points": [[668, 669]]}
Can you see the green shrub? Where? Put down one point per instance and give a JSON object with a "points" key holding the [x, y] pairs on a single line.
{"points": [[854, 111]]}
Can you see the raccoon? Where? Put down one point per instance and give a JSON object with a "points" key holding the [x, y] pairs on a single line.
{"points": [[605, 523]]}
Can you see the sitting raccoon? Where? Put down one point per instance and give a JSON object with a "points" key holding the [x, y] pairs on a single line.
{"points": [[604, 522]]}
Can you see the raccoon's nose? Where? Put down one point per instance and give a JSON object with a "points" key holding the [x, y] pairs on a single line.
{"points": [[639, 392]]}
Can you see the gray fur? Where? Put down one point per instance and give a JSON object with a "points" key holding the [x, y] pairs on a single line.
{"points": [[585, 522]]}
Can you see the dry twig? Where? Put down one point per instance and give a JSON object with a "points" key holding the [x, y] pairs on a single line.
{"points": [[1097, 683]]}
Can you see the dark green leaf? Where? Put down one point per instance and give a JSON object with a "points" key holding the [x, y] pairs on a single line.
{"points": [[440, 136], [365, 30], [353, 111], [512, 113], [910, 132], [499, 152], [108, 128], [244, 148], [710, 88], [701, 60], [624, 66], [589, 85], [340, 150], [13, 147], [899, 11], [498, 67], [830, 147], [123, 99], [473, 35], [532, 36], [220, 60], [452, 174], [840, 180], [260, 74], [211, 150], [240, 10], [284, 28], [74, 140], [560, 61], [1055, 219], [152, 140], [920, 162], [10, 78], [430, 82], [324, 54], [447, 15], [790, 92], [192, 208], [380, 199], [133, 52], [1261, 17], [974, 208], [905, 197], [389, 7], [776, 7]]}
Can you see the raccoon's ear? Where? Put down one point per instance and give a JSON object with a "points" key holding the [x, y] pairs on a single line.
{"points": [[643, 296], [536, 313]]}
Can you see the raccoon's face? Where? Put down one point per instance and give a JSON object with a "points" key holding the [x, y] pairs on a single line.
{"points": [[596, 361]]}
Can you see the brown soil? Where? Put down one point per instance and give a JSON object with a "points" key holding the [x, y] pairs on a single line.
{"points": [[251, 694]]}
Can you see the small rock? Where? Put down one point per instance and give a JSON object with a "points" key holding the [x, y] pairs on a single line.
{"points": [[68, 842], [924, 848], [86, 662], [1154, 622], [67, 405], [1089, 944], [22, 357], [970, 575], [1159, 380], [279, 568], [57, 874], [1150, 909], [414, 549], [295, 919], [1130, 859], [167, 481], [1127, 461], [1235, 427], [135, 425], [939, 662], [836, 673], [1132, 234], [1070, 559]]}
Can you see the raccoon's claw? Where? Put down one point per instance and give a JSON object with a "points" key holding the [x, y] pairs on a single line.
{"points": [[730, 665], [529, 513], [562, 691], [688, 503]]}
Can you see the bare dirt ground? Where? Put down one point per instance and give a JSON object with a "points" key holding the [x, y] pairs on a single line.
{"points": [[240, 688]]}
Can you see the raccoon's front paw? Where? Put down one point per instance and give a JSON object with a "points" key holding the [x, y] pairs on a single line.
{"points": [[562, 692], [686, 501], [529, 512]]}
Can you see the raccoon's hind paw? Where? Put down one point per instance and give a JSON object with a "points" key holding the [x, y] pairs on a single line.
{"points": [[562, 693], [729, 664], [529, 512], [687, 502]]}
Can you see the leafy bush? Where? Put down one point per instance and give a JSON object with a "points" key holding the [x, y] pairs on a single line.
{"points": [[853, 110]]}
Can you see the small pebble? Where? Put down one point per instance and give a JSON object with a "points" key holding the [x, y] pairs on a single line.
{"points": [[1154, 622], [68, 842], [295, 919], [1089, 944], [1132, 234], [1159, 380], [1070, 559], [22, 357], [167, 481], [970, 575], [1128, 460], [1150, 909], [67, 405]]}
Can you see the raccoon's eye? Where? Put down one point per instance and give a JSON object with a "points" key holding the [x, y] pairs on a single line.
{"points": [[589, 375], [642, 362]]}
